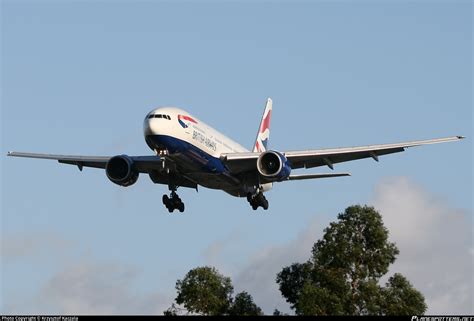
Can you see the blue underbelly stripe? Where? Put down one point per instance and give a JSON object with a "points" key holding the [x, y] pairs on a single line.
{"points": [[174, 145]]}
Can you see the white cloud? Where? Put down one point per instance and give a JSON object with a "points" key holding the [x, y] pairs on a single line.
{"points": [[91, 287], [258, 276], [214, 253], [79, 285], [33, 245], [435, 243]]}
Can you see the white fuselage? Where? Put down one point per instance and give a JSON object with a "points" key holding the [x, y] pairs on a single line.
{"points": [[197, 134], [195, 148]]}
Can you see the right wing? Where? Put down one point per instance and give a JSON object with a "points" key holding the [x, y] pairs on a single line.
{"points": [[315, 158], [244, 162]]}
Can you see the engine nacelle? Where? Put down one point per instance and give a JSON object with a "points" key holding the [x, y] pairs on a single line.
{"points": [[273, 166], [120, 170]]}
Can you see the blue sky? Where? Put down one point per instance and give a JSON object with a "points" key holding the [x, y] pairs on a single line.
{"points": [[79, 77]]}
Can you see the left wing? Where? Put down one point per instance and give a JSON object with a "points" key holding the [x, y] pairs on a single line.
{"points": [[243, 162], [80, 161], [142, 164]]}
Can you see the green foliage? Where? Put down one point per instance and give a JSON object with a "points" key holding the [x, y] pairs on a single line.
{"points": [[357, 245], [341, 277], [291, 280], [400, 298], [203, 290], [278, 313], [243, 305], [315, 300], [171, 311]]}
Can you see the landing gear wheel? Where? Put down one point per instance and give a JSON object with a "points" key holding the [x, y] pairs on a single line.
{"points": [[257, 200], [168, 203], [173, 202], [249, 197]]}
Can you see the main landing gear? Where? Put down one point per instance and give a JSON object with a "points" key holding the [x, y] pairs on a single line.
{"points": [[257, 200], [173, 202]]}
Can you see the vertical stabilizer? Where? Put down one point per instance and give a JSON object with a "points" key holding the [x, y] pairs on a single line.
{"points": [[263, 134]]}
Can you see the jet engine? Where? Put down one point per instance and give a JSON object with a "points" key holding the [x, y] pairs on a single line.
{"points": [[120, 170], [273, 166]]}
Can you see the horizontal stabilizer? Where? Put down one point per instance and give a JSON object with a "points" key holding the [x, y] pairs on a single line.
{"points": [[311, 176]]}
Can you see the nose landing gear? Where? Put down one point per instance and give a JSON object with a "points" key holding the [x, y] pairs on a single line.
{"points": [[257, 200]]}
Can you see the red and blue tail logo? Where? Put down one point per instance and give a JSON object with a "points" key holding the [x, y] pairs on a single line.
{"points": [[182, 118], [263, 134]]}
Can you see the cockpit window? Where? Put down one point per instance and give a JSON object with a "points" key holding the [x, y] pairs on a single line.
{"points": [[159, 116]]}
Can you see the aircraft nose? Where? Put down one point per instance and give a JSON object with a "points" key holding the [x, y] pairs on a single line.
{"points": [[157, 122], [147, 130]]}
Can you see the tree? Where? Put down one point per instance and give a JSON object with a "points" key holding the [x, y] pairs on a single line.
{"points": [[399, 297], [342, 274], [278, 313], [203, 290], [243, 305], [171, 311], [292, 279]]}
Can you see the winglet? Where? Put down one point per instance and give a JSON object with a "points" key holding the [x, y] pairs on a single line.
{"points": [[263, 133]]}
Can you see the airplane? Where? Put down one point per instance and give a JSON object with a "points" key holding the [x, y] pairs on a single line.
{"points": [[189, 153]]}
